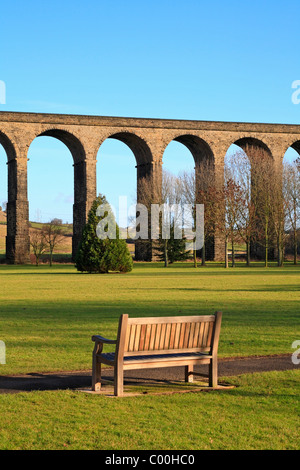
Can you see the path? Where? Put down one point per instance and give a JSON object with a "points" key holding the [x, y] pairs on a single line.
{"points": [[82, 379]]}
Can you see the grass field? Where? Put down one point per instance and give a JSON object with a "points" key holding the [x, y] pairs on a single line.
{"points": [[48, 316], [262, 412]]}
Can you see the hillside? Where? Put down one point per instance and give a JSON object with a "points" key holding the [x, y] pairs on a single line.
{"points": [[65, 247], [2, 217]]}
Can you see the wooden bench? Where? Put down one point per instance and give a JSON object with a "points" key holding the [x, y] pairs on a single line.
{"points": [[154, 342]]}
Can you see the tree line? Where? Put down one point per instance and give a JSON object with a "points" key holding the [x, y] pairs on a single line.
{"points": [[256, 204]]}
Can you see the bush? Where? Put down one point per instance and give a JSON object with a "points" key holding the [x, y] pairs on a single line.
{"points": [[96, 255]]}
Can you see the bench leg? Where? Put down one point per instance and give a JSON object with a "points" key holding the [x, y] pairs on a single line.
{"points": [[96, 375], [189, 377], [118, 381], [213, 373]]}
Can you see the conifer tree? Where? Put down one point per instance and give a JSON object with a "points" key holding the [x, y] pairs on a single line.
{"points": [[101, 253], [172, 249]]}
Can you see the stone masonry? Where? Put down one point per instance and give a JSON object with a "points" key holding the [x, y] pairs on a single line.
{"points": [[147, 138]]}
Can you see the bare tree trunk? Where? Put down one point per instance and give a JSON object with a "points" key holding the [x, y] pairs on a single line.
{"points": [[203, 261], [195, 258], [248, 253], [232, 254], [295, 246], [295, 234], [51, 256], [266, 246], [226, 251], [282, 254], [166, 253], [278, 251]]}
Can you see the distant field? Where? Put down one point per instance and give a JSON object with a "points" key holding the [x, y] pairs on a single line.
{"points": [[2, 237], [64, 248]]}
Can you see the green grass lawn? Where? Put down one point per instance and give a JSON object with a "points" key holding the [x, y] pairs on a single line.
{"points": [[48, 315], [262, 412], [47, 318]]}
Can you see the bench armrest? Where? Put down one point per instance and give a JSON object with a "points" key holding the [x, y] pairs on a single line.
{"points": [[100, 339]]}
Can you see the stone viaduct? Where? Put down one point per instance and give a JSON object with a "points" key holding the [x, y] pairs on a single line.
{"points": [[147, 138]]}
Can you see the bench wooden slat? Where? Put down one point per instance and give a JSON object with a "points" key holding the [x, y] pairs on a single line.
{"points": [[162, 336], [172, 335], [196, 334], [158, 364], [142, 337], [132, 338], [210, 332], [167, 336], [186, 335], [152, 340], [188, 354], [137, 338], [165, 357], [166, 351], [157, 336], [177, 336], [165, 320], [192, 332], [181, 336], [127, 339], [206, 334], [200, 337]]}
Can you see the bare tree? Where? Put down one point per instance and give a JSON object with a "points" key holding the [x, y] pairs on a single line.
{"points": [[170, 198], [188, 189], [279, 214], [227, 209], [53, 236], [291, 192], [208, 195], [38, 244], [262, 194], [238, 169], [171, 216]]}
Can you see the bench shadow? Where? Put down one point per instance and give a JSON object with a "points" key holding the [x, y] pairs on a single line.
{"points": [[174, 376], [51, 382], [43, 382]]}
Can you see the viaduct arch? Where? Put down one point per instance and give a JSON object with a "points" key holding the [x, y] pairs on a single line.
{"points": [[147, 138]]}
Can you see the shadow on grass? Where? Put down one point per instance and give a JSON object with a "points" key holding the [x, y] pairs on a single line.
{"points": [[170, 378], [270, 288], [64, 381], [152, 270]]}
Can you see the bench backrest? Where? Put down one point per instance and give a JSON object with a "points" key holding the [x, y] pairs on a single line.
{"points": [[158, 335]]}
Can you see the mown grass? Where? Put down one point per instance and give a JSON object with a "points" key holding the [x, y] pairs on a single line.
{"points": [[48, 315], [262, 412], [47, 318]]}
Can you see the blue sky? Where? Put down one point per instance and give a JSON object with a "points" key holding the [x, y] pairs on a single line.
{"points": [[191, 59]]}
